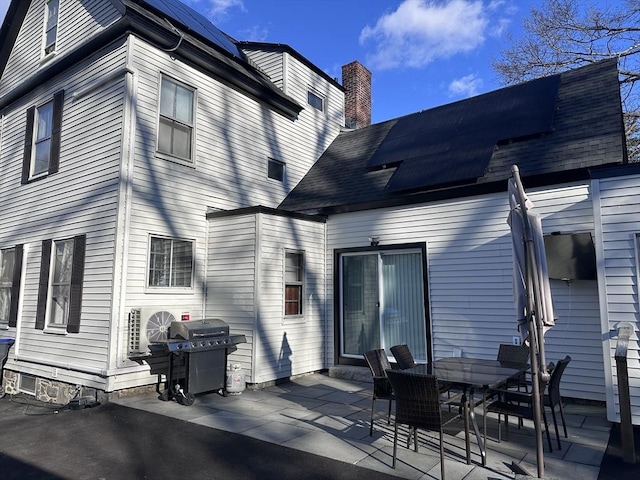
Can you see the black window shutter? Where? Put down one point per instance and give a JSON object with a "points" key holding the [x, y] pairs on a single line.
{"points": [[28, 145], [56, 127], [15, 287], [77, 276], [43, 286]]}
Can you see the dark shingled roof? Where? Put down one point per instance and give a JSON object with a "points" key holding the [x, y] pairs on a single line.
{"points": [[554, 128]]}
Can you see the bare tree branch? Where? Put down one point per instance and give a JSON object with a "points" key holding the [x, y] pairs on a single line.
{"points": [[565, 34]]}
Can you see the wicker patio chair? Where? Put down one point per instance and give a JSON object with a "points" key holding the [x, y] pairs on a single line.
{"points": [[418, 405], [379, 364], [514, 355], [403, 356]]}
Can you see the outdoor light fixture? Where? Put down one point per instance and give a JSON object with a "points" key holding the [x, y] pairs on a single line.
{"points": [[374, 241]]}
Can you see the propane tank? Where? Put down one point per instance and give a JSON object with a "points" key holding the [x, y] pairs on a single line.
{"points": [[235, 379]]}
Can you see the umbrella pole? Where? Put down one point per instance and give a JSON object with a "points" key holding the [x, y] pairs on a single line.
{"points": [[534, 343], [535, 333]]}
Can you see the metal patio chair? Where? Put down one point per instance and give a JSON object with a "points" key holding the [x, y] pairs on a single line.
{"points": [[553, 399], [520, 404], [418, 405], [379, 364]]}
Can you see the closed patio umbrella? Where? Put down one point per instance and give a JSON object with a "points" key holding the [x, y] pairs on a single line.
{"points": [[532, 293]]}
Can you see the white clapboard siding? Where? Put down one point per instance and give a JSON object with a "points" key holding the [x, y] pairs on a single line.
{"points": [[295, 78], [290, 346], [470, 268], [81, 198], [271, 63], [235, 135], [619, 208], [245, 287], [231, 277], [76, 22]]}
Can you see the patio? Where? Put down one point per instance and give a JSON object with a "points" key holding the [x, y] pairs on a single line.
{"points": [[329, 416]]}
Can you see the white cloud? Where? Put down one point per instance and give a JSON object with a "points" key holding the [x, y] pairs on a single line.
{"points": [[257, 33], [466, 86], [215, 10], [421, 31]]}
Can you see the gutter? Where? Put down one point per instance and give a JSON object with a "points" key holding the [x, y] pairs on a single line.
{"points": [[475, 189]]}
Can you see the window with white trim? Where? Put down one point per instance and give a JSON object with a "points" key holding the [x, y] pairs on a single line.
{"points": [[42, 139], [293, 283], [61, 264], [60, 289], [315, 100], [170, 263], [50, 26], [176, 122], [7, 268]]}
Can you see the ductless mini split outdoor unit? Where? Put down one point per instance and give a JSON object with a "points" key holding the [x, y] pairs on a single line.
{"points": [[151, 325]]}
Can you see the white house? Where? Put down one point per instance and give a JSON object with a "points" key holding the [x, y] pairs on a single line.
{"points": [[154, 168]]}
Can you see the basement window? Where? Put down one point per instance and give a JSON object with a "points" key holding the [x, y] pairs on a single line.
{"points": [[27, 384]]}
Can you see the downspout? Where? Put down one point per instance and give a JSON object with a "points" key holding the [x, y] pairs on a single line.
{"points": [[256, 295], [121, 249], [326, 307], [23, 274], [129, 126]]}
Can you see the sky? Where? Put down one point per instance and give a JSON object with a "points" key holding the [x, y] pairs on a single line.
{"points": [[422, 53]]}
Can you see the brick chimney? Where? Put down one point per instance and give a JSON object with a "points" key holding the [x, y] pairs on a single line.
{"points": [[356, 80]]}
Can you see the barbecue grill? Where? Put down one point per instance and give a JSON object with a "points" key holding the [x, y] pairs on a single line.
{"points": [[198, 351]]}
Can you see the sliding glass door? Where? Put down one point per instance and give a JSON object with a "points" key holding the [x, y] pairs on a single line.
{"points": [[382, 302]]}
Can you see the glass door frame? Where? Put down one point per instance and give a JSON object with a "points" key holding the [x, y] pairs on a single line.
{"points": [[339, 359]]}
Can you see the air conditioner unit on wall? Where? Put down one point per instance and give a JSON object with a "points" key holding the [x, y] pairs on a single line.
{"points": [[151, 325]]}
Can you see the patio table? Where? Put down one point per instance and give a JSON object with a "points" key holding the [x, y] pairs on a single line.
{"points": [[471, 374]]}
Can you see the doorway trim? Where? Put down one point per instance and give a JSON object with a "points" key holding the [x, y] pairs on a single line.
{"points": [[337, 297]]}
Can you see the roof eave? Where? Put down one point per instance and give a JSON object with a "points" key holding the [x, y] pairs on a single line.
{"points": [[10, 28], [476, 189], [146, 25], [235, 72]]}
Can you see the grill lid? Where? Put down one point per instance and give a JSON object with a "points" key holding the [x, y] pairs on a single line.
{"points": [[193, 329]]}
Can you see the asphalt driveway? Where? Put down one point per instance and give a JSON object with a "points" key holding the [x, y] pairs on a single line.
{"points": [[38, 441]]}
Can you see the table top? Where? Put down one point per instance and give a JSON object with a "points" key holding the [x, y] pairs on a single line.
{"points": [[471, 372]]}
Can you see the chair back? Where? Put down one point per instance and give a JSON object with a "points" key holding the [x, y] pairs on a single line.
{"points": [[417, 399], [403, 356], [513, 354], [553, 391], [379, 364]]}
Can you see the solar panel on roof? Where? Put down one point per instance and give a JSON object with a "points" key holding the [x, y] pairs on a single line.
{"points": [[455, 142], [195, 22]]}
